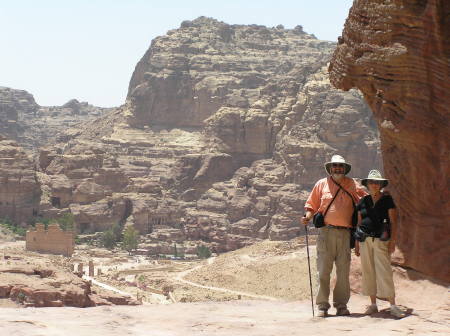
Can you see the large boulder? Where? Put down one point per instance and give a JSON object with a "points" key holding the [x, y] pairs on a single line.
{"points": [[397, 54]]}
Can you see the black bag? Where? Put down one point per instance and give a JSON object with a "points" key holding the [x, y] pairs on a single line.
{"points": [[360, 235], [318, 218]]}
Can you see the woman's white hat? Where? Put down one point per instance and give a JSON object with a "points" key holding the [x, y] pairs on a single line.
{"points": [[337, 159], [375, 175]]}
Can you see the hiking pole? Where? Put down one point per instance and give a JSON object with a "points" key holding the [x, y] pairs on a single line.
{"points": [[309, 268]]}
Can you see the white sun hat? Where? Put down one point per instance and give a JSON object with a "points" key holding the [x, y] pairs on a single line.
{"points": [[337, 159], [375, 175]]}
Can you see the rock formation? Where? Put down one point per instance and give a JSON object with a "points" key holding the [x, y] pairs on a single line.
{"points": [[397, 54], [20, 191], [34, 126], [34, 283], [225, 129]]}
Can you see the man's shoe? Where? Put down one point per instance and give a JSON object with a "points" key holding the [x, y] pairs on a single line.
{"points": [[322, 313], [342, 311], [397, 312], [372, 309]]}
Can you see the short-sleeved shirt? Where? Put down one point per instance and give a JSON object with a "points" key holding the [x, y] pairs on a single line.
{"points": [[340, 211], [373, 216]]}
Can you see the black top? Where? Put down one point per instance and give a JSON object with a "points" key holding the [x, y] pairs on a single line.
{"points": [[373, 216]]}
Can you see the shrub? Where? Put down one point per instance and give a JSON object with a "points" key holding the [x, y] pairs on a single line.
{"points": [[108, 239], [8, 224], [203, 252], [130, 239]]}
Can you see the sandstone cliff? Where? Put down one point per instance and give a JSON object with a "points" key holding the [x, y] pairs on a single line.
{"points": [[20, 191], [225, 129], [397, 54], [34, 126]]}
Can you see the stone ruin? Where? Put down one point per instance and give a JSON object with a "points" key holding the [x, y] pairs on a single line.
{"points": [[53, 240]]}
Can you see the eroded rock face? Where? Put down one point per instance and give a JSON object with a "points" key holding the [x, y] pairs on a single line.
{"points": [[40, 285], [20, 191], [34, 126], [397, 54], [225, 129]]}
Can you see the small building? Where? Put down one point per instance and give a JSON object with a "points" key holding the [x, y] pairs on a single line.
{"points": [[53, 240]]}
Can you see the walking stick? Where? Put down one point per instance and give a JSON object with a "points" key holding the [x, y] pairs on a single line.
{"points": [[309, 269]]}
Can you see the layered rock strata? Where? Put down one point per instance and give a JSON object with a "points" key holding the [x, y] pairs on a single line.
{"points": [[34, 126], [41, 285], [225, 129], [397, 54], [20, 190]]}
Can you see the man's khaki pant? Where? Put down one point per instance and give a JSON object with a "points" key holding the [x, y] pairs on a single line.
{"points": [[333, 246], [376, 268]]}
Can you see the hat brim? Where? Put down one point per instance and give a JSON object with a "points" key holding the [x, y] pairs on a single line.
{"points": [[348, 167], [364, 181]]}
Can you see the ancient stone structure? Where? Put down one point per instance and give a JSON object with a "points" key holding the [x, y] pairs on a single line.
{"points": [[53, 240], [398, 54]]}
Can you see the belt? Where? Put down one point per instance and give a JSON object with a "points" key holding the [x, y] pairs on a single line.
{"points": [[338, 227]]}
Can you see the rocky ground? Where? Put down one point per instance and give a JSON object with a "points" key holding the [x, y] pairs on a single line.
{"points": [[261, 289]]}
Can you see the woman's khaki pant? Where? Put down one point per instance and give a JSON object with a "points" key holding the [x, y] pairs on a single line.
{"points": [[333, 247], [376, 268]]}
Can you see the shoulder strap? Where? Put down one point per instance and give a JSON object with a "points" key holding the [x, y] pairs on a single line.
{"points": [[353, 202], [337, 192]]}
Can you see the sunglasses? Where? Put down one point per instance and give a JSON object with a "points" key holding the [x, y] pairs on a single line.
{"points": [[374, 182], [337, 165]]}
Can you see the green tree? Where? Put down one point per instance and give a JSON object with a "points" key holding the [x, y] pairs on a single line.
{"points": [[175, 250], [108, 239], [203, 252], [66, 221], [130, 239]]}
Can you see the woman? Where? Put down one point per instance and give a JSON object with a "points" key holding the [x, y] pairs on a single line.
{"points": [[375, 240]]}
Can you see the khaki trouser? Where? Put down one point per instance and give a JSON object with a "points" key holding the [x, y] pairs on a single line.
{"points": [[333, 247], [376, 268]]}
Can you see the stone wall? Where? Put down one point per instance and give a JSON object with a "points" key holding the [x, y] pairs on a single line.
{"points": [[53, 240]]}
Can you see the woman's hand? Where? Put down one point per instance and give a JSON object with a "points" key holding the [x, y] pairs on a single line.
{"points": [[357, 248], [391, 246]]}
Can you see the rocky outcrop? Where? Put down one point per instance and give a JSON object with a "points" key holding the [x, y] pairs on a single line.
{"points": [[38, 285], [13, 103], [34, 126], [397, 54], [225, 129], [20, 191]]}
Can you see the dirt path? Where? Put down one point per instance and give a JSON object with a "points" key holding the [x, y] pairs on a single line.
{"points": [[180, 277]]}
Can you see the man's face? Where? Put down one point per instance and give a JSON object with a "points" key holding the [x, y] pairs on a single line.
{"points": [[337, 168]]}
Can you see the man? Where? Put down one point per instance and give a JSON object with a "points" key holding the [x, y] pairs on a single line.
{"points": [[333, 241]]}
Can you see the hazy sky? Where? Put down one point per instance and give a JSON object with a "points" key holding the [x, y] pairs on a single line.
{"points": [[87, 49]]}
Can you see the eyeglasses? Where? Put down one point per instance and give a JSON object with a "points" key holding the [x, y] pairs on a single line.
{"points": [[337, 165], [375, 182]]}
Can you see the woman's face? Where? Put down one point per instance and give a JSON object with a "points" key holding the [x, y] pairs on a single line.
{"points": [[374, 186]]}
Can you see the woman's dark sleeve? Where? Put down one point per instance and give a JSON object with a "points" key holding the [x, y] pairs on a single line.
{"points": [[359, 205], [390, 202]]}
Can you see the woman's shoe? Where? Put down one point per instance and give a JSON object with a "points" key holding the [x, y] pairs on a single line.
{"points": [[372, 309], [397, 312]]}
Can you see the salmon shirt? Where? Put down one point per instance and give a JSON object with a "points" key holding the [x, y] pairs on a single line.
{"points": [[341, 210]]}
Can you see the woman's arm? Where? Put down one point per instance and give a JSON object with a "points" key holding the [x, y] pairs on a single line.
{"points": [[393, 220]]}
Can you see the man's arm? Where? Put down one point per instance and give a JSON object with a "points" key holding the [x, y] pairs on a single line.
{"points": [[312, 204]]}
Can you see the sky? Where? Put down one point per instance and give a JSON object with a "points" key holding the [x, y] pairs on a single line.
{"points": [[87, 49]]}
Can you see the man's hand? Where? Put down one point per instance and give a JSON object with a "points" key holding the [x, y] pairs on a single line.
{"points": [[306, 217], [357, 248]]}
